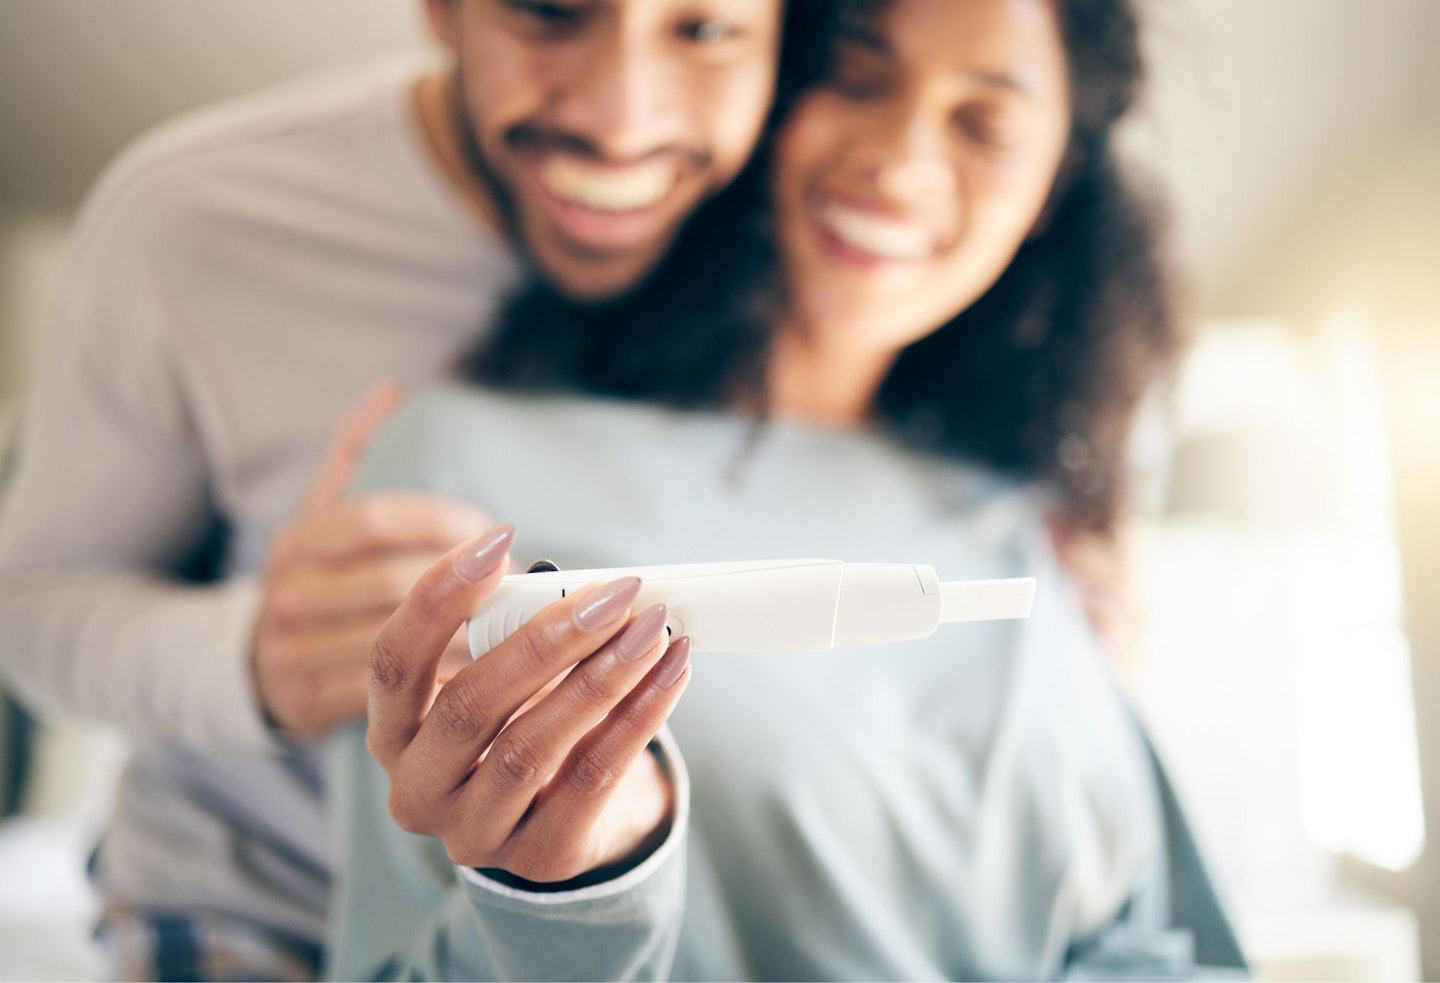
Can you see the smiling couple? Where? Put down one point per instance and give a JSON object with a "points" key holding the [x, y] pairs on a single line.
{"points": [[669, 280]]}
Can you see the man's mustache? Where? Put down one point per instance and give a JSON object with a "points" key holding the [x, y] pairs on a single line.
{"points": [[532, 137]]}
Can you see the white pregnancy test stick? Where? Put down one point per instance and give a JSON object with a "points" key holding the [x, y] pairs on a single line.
{"points": [[771, 605]]}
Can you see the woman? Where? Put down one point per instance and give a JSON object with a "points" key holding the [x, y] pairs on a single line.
{"points": [[931, 381]]}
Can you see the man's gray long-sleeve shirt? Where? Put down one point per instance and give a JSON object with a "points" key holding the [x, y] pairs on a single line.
{"points": [[237, 281]]}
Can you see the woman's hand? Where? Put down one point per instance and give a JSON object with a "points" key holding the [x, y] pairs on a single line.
{"points": [[533, 758]]}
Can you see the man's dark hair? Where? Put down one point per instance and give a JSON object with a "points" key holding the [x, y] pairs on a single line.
{"points": [[1039, 378]]}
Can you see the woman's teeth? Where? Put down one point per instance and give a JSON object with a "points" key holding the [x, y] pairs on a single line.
{"points": [[608, 189], [882, 237]]}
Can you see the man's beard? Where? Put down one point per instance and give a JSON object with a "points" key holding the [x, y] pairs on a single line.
{"points": [[479, 168]]}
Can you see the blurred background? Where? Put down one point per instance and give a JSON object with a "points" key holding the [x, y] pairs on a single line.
{"points": [[1288, 662]]}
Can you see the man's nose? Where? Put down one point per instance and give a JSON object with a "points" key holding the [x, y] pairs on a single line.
{"points": [[626, 101]]}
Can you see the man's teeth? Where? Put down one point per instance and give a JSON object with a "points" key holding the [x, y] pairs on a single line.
{"points": [[882, 237], [608, 189]]}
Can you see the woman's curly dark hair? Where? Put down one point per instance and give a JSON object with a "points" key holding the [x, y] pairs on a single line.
{"points": [[1039, 378]]}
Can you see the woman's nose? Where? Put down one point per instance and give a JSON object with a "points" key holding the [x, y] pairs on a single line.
{"points": [[909, 158]]}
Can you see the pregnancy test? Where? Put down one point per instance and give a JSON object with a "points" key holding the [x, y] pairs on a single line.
{"points": [[771, 605]]}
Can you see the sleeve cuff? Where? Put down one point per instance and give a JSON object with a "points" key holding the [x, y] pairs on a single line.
{"points": [[224, 683]]}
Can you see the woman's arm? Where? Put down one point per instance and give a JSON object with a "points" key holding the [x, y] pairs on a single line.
{"points": [[529, 769]]}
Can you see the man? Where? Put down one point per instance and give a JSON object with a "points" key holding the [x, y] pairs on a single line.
{"points": [[239, 280]]}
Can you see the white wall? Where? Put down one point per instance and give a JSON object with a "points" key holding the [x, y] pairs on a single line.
{"points": [[31, 252], [1290, 131], [79, 79]]}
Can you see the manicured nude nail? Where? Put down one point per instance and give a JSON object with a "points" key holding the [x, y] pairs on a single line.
{"points": [[672, 663], [484, 553], [607, 603], [642, 634]]}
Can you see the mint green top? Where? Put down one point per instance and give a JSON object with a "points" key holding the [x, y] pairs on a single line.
{"points": [[977, 804]]}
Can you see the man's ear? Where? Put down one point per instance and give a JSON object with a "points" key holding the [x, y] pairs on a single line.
{"points": [[443, 17]]}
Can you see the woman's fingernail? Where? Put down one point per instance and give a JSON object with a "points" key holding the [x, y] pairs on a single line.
{"points": [[607, 603], [484, 553], [642, 634], [672, 663]]}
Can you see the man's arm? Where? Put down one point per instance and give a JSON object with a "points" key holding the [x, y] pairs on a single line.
{"points": [[98, 624], [109, 495], [115, 485]]}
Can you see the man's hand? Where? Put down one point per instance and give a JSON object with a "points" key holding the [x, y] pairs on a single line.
{"points": [[532, 759], [335, 574]]}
